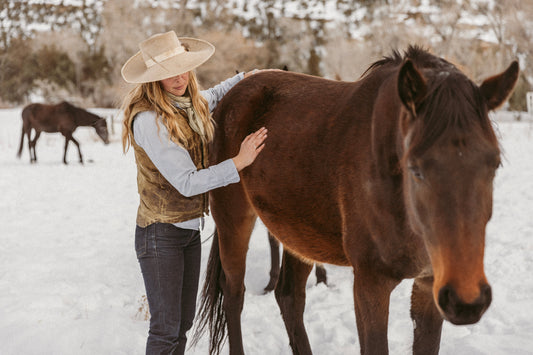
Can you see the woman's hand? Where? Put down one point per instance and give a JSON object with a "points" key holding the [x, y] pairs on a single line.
{"points": [[251, 146]]}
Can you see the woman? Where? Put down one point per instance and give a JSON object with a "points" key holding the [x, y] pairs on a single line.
{"points": [[167, 121]]}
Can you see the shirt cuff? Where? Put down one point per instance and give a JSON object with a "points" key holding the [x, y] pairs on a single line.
{"points": [[229, 172]]}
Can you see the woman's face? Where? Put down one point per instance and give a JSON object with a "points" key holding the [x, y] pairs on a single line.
{"points": [[177, 85]]}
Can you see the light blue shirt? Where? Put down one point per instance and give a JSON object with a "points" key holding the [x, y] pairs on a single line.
{"points": [[174, 161]]}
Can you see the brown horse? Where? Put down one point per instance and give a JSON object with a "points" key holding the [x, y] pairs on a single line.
{"points": [[391, 175], [320, 270], [64, 118]]}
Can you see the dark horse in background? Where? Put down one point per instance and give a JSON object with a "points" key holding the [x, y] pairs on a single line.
{"points": [[63, 118], [391, 175]]}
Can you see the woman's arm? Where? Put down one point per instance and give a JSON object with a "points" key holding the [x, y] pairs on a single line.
{"points": [[215, 94], [175, 163]]}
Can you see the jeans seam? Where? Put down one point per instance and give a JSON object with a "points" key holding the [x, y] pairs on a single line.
{"points": [[191, 236], [158, 268]]}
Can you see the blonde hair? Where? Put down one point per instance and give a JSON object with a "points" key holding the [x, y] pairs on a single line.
{"points": [[151, 96]]}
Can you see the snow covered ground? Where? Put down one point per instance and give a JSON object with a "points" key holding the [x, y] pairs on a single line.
{"points": [[70, 282]]}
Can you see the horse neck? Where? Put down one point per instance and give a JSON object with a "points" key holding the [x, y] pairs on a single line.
{"points": [[85, 118], [386, 153]]}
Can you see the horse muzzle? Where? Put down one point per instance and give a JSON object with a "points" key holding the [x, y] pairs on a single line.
{"points": [[458, 312]]}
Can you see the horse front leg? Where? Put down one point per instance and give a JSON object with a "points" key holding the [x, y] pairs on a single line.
{"points": [[274, 263], [427, 320], [371, 299], [290, 295], [77, 145]]}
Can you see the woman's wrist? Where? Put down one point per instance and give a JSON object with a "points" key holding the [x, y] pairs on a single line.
{"points": [[238, 163]]}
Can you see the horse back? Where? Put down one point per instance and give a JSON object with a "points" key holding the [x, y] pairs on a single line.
{"points": [[294, 107]]}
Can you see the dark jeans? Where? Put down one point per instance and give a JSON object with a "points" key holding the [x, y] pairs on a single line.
{"points": [[170, 264]]}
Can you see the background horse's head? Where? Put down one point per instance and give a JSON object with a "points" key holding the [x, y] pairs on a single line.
{"points": [[450, 154], [101, 129]]}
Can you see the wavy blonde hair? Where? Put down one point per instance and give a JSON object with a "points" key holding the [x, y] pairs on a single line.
{"points": [[151, 96]]}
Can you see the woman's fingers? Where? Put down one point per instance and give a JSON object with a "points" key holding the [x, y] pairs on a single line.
{"points": [[256, 138], [251, 146]]}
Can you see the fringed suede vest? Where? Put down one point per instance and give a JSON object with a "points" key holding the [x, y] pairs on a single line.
{"points": [[159, 200]]}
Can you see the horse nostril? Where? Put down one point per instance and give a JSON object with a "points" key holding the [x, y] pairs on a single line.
{"points": [[459, 312], [486, 295], [447, 296]]}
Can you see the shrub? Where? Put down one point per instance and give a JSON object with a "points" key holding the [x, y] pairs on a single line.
{"points": [[18, 71], [55, 66]]}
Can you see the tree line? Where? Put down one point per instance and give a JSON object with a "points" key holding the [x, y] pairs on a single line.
{"points": [[80, 54]]}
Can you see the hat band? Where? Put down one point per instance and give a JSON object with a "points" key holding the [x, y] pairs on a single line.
{"points": [[150, 62]]}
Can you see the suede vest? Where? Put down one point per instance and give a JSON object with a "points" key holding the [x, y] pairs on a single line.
{"points": [[159, 200]]}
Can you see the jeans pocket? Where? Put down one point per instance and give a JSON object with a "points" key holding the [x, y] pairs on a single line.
{"points": [[140, 241]]}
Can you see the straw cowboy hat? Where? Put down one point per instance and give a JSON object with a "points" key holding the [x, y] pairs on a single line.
{"points": [[163, 56]]}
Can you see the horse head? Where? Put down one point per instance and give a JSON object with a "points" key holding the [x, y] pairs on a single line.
{"points": [[449, 156], [101, 129]]}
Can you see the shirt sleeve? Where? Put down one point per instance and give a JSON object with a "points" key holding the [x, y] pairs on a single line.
{"points": [[215, 94], [174, 161]]}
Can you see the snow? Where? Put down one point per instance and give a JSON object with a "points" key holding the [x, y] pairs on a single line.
{"points": [[71, 283]]}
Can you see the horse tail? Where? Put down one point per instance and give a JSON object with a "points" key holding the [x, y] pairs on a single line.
{"points": [[23, 114], [21, 143], [211, 313]]}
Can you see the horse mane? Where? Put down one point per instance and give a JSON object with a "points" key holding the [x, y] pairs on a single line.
{"points": [[452, 102], [80, 115], [417, 54]]}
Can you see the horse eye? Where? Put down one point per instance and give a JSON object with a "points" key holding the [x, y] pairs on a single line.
{"points": [[415, 171]]}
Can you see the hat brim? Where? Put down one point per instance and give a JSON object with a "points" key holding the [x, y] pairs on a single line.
{"points": [[198, 52]]}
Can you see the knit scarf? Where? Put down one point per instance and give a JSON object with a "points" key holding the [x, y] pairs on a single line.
{"points": [[185, 103]]}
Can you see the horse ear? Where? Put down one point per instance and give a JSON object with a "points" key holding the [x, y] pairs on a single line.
{"points": [[497, 88], [411, 86]]}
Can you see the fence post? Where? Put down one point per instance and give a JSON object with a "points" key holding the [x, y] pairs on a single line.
{"points": [[112, 124], [529, 98]]}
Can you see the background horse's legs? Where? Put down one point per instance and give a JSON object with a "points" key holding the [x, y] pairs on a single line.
{"points": [[427, 320], [290, 295], [68, 137], [65, 153], [274, 263], [77, 145], [31, 145], [371, 299]]}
